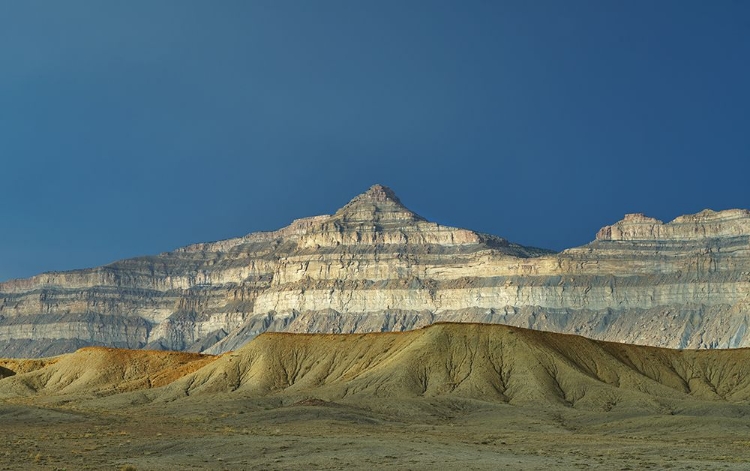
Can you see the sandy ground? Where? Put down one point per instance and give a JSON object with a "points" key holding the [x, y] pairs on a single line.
{"points": [[230, 432]]}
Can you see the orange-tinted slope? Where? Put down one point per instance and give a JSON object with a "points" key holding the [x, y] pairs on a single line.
{"points": [[99, 370]]}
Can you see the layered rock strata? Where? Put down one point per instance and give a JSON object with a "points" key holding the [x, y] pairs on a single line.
{"points": [[374, 265]]}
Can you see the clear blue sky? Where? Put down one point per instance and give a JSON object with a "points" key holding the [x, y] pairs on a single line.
{"points": [[135, 127]]}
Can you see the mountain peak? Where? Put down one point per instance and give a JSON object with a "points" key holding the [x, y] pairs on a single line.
{"points": [[378, 204], [381, 193]]}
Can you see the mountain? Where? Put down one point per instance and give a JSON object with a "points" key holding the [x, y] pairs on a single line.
{"points": [[374, 266]]}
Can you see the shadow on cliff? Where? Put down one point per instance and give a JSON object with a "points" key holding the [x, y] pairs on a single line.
{"points": [[5, 372]]}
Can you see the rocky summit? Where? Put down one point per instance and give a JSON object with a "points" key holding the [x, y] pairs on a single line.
{"points": [[374, 266]]}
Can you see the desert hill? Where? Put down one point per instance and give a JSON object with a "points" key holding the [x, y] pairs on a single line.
{"points": [[450, 395], [484, 362], [374, 265], [96, 371]]}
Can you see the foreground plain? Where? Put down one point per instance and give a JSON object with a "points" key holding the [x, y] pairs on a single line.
{"points": [[449, 396]]}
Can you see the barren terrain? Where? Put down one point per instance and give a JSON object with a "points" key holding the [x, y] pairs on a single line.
{"points": [[449, 396]]}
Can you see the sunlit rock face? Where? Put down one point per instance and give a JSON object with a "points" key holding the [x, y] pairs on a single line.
{"points": [[374, 265]]}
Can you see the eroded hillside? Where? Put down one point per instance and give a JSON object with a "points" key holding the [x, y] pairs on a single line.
{"points": [[484, 362]]}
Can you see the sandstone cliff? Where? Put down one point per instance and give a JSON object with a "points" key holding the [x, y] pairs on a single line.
{"points": [[374, 265]]}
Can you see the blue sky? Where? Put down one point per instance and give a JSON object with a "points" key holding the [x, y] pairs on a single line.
{"points": [[132, 128]]}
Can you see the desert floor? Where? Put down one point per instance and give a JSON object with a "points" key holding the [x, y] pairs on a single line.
{"points": [[230, 432]]}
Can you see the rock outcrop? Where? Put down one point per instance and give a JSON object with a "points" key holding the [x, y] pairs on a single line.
{"points": [[374, 265]]}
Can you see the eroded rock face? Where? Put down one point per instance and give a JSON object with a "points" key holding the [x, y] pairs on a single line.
{"points": [[706, 224], [374, 265]]}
